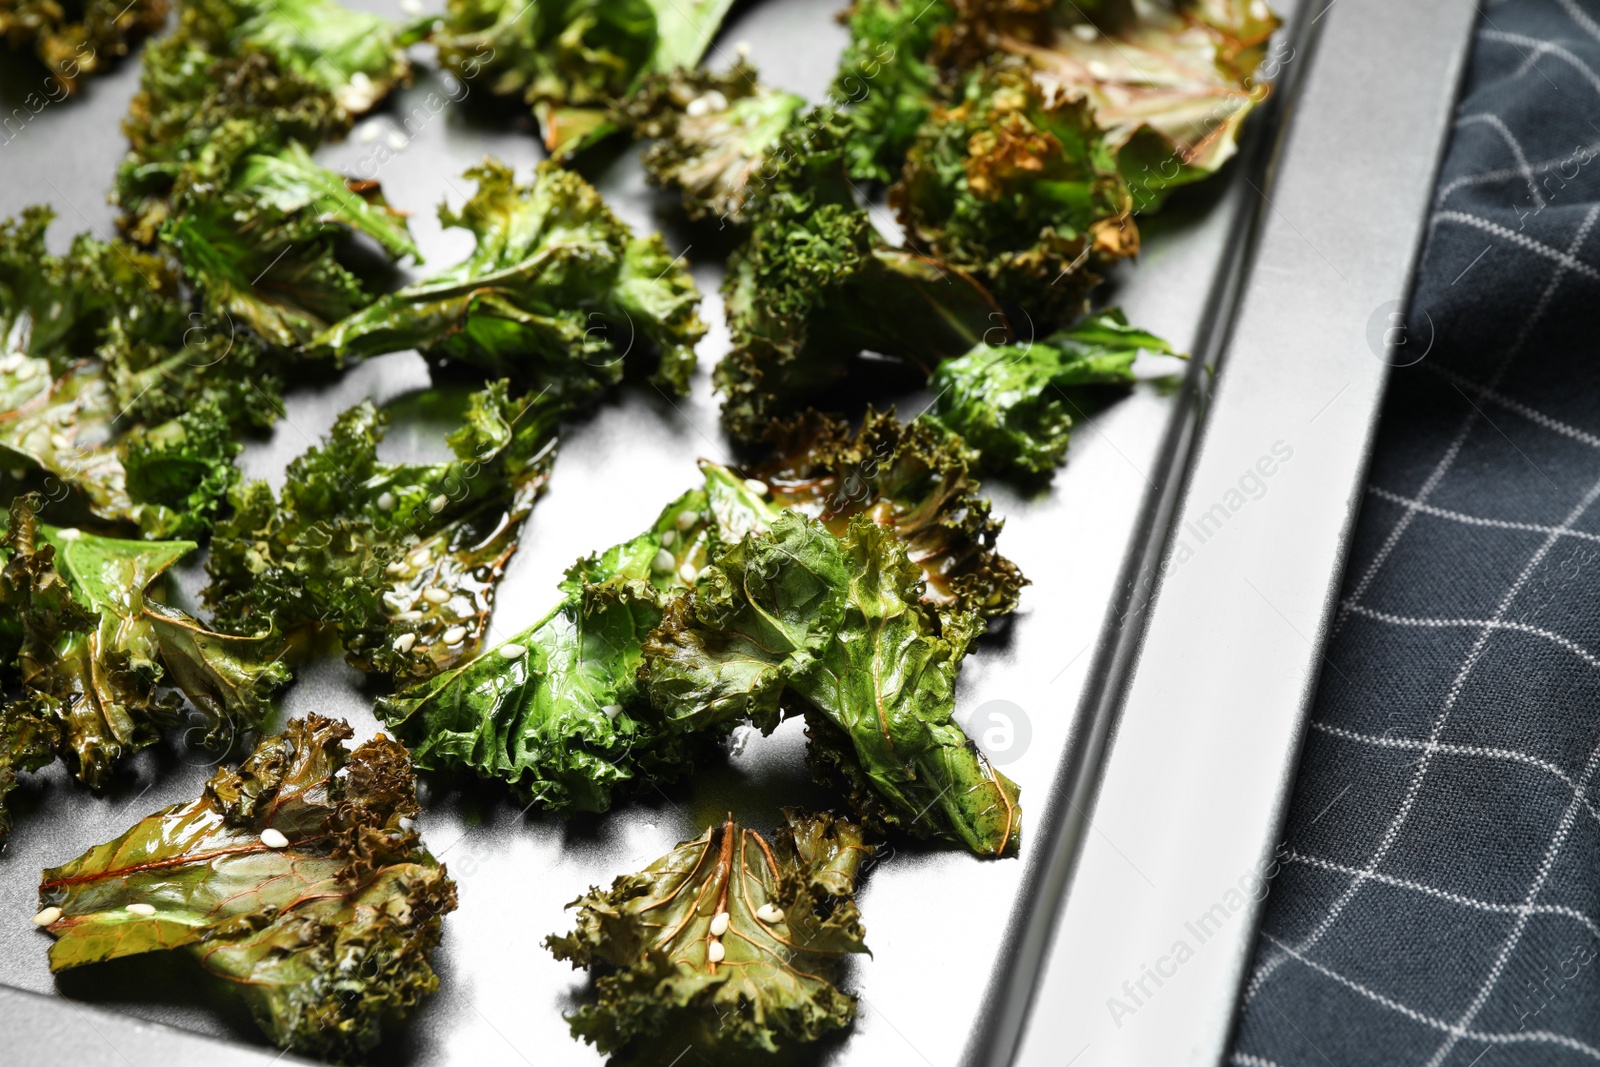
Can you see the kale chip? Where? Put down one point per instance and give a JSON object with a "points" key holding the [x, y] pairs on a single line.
{"points": [[1013, 403], [557, 293], [815, 285], [795, 620], [401, 560], [714, 134], [1020, 188], [728, 943], [572, 60], [92, 649], [297, 882]]}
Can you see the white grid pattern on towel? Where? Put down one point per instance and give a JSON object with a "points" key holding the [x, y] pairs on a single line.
{"points": [[1265, 970], [1458, 1029]]}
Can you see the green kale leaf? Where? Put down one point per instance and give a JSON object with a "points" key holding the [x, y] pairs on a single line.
{"points": [[913, 479], [275, 273], [289, 181], [880, 709], [761, 614], [30, 738], [1021, 189], [197, 115], [355, 56], [266, 251], [796, 620], [815, 285], [556, 711], [183, 469], [572, 60], [59, 310], [238, 78], [93, 646], [728, 944], [888, 81], [298, 882], [78, 37], [107, 390], [557, 293], [1012, 403], [713, 133], [402, 560]]}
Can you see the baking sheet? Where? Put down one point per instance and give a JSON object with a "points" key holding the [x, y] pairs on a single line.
{"points": [[937, 921]]}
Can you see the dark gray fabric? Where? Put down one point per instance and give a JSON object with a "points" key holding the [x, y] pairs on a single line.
{"points": [[1440, 899]]}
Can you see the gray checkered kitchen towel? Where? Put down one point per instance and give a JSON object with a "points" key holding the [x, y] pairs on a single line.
{"points": [[1439, 903]]}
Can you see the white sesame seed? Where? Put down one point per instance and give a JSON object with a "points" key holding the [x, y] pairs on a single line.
{"points": [[742, 49], [770, 913], [409, 616], [47, 916], [397, 140], [687, 518], [664, 561], [437, 504], [719, 924], [756, 486], [59, 442], [142, 909], [26, 371], [434, 595], [421, 558], [395, 568], [715, 952], [668, 537], [611, 710], [368, 132], [1098, 69], [69, 533], [273, 838], [404, 643], [688, 573], [386, 501], [511, 651], [1083, 31], [454, 636], [697, 107]]}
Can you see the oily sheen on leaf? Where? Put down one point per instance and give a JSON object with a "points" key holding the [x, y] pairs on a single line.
{"points": [[912, 478], [556, 712], [401, 559], [297, 882], [92, 647], [1013, 404], [796, 620]]}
